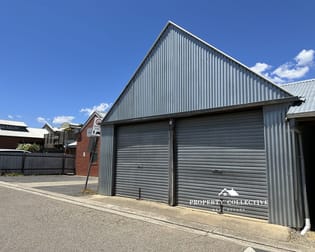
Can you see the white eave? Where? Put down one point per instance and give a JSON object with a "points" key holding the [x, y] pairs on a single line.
{"points": [[31, 133], [13, 123]]}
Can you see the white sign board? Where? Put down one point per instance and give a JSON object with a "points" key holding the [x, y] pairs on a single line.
{"points": [[96, 131], [89, 132]]}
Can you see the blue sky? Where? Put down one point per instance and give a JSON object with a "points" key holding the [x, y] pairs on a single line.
{"points": [[61, 59]]}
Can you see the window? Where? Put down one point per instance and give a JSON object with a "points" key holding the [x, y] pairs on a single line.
{"points": [[13, 128]]}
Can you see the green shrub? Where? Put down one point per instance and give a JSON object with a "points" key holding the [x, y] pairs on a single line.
{"points": [[29, 147]]}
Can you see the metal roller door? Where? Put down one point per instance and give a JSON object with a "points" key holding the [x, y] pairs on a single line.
{"points": [[142, 161], [223, 151]]}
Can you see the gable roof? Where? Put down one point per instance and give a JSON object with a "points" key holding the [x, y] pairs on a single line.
{"points": [[306, 90], [50, 128], [182, 73], [91, 117]]}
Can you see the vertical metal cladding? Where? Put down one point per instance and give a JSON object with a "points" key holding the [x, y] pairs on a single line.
{"points": [[284, 187], [181, 73], [106, 171]]}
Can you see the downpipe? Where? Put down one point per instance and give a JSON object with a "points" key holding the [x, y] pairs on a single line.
{"points": [[307, 226]]}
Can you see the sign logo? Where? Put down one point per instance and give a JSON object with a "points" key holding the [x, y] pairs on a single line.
{"points": [[228, 199], [229, 192]]}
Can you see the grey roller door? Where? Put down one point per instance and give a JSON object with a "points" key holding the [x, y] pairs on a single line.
{"points": [[142, 161], [223, 151]]}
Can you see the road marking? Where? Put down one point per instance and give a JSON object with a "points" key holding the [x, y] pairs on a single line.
{"points": [[85, 202]]}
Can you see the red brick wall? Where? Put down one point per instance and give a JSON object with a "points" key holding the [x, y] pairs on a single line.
{"points": [[82, 158]]}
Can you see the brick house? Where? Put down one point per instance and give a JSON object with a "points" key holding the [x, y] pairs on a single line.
{"points": [[13, 133], [84, 144]]}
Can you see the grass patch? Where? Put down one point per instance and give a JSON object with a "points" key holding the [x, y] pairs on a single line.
{"points": [[11, 174], [88, 192]]}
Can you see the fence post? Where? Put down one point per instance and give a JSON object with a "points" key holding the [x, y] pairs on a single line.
{"points": [[63, 163], [23, 163]]}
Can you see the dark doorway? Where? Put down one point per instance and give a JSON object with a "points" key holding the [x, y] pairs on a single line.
{"points": [[308, 139]]}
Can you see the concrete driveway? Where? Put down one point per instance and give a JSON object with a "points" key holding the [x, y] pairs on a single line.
{"points": [[228, 233], [63, 184], [30, 221]]}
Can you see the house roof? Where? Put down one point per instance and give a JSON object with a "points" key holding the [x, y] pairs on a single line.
{"points": [[67, 125], [30, 133], [306, 90], [182, 73], [98, 114], [13, 123], [51, 128]]}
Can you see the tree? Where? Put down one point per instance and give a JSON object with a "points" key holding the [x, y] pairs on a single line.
{"points": [[29, 147]]}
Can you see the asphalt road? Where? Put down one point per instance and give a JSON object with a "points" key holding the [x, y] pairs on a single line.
{"points": [[31, 222]]}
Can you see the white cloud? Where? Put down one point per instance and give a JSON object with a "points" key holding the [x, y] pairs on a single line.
{"points": [[63, 119], [103, 107], [305, 57], [41, 119], [260, 67], [14, 117], [289, 71], [275, 79]]}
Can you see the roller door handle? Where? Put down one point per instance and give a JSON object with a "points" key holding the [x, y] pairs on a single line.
{"points": [[217, 171]]}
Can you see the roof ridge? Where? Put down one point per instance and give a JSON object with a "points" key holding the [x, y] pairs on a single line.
{"points": [[224, 54]]}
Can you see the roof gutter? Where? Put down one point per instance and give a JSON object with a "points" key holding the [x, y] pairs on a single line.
{"points": [[301, 115], [292, 99]]}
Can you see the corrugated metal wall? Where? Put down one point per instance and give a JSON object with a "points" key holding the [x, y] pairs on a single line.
{"points": [[107, 161], [182, 74], [223, 151], [283, 176], [142, 161]]}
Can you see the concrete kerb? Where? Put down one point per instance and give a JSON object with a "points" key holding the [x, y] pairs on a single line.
{"points": [[245, 230], [241, 228]]}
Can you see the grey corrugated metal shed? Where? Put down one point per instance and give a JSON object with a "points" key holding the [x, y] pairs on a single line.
{"points": [[181, 78], [200, 76], [305, 89]]}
